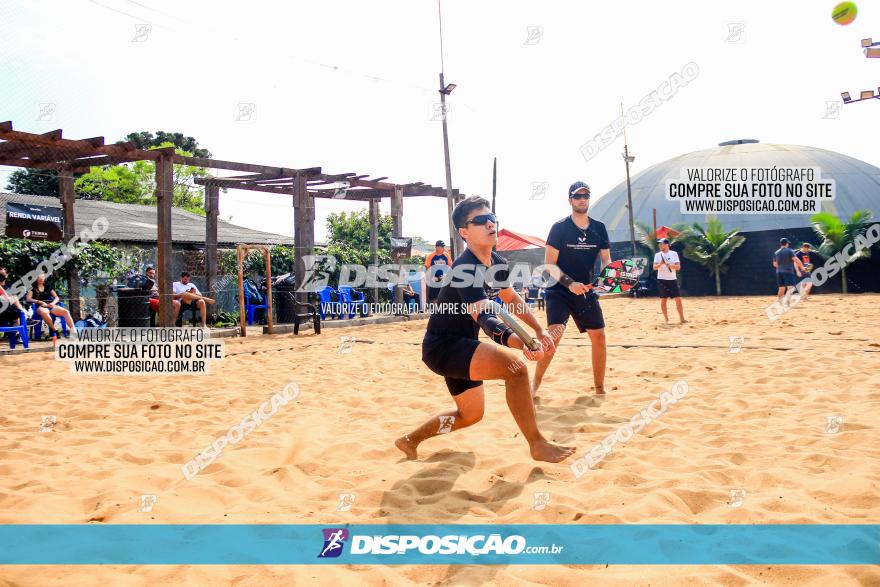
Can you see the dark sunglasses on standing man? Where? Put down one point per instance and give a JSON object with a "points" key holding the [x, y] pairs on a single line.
{"points": [[481, 220], [580, 196]]}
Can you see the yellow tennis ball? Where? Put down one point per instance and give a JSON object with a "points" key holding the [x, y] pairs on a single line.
{"points": [[844, 13]]}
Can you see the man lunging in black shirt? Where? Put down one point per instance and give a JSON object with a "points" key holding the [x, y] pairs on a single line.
{"points": [[451, 347], [572, 247]]}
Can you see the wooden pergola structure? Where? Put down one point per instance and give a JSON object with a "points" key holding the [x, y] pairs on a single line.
{"points": [[68, 157]]}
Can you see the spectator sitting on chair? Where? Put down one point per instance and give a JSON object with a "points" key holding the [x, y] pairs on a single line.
{"points": [[188, 293], [45, 302], [9, 316], [150, 273], [409, 294]]}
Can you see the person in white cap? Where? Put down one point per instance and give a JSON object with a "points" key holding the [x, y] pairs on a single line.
{"points": [[667, 264]]}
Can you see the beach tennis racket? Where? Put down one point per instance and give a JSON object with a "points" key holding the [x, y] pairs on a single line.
{"points": [[507, 318], [619, 277]]}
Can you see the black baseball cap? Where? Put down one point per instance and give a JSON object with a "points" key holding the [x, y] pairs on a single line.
{"points": [[663, 241], [783, 241], [439, 244], [578, 185]]}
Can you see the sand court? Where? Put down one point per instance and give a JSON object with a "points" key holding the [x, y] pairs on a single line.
{"points": [[778, 426]]}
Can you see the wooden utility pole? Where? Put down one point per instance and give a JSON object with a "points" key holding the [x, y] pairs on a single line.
{"points": [[374, 242], [397, 231], [65, 191], [164, 193], [212, 211]]}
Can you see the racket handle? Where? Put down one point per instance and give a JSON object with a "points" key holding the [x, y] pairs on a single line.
{"points": [[525, 337]]}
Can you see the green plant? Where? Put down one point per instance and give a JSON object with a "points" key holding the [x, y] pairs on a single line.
{"points": [[711, 247], [226, 319], [838, 235], [21, 256]]}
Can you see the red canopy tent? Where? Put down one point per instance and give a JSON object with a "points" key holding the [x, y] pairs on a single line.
{"points": [[666, 232], [515, 241]]}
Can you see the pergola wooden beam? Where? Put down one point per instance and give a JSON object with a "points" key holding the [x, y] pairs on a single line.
{"points": [[52, 134], [50, 150]]}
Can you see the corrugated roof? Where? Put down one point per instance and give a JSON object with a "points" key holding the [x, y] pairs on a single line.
{"points": [[858, 188], [516, 241], [137, 223]]}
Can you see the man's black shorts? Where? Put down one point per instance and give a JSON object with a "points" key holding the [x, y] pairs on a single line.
{"points": [[786, 279], [450, 356], [585, 311], [668, 288]]}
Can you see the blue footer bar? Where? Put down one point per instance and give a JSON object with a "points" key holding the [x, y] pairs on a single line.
{"points": [[429, 544]]}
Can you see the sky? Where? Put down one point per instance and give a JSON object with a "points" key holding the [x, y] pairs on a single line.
{"points": [[352, 87]]}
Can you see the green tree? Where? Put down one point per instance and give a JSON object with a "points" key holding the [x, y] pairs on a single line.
{"points": [[711, 247], [349, 237], [124, 183], [135, 183], [147, 140], [37, 182], [838, 236]]}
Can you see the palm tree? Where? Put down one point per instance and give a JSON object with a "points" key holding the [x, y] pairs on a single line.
{"points": [[711, 247], [646, 240], [836, 235]]}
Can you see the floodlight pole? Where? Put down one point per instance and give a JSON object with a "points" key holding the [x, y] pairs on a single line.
{"points": [[454, 239], [629, 200]]}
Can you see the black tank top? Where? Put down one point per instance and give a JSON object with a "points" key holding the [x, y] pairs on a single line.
{"points": [[43, 296]]}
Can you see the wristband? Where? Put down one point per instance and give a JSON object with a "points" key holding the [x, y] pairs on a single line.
{"points": [[566, 280]]}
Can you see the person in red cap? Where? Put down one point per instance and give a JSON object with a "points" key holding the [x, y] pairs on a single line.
{"points": [[666, 264]]}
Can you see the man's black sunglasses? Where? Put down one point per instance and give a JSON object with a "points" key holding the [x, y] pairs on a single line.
{"points": [[481, 220], [580, 196]]}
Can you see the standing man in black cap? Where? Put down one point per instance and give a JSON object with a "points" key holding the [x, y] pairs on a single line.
{"points": [[573, 245], [434, 276], [666, 264]]}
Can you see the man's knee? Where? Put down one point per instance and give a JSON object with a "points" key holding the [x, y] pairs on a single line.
{"points": [[597, 335], [517, 374], [472, 416]]}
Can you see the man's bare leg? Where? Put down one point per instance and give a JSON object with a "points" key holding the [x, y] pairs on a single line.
{"points": [[600, 353], [469, 411], [202, 311], [492, 362], [191, 297], [663, 307], [556, 331], [680, 309]]}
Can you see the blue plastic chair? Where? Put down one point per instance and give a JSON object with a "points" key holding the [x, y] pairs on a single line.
{"points": [[16, 332], [326, 303], [251, 308], [354, 300], [38, 325]]}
